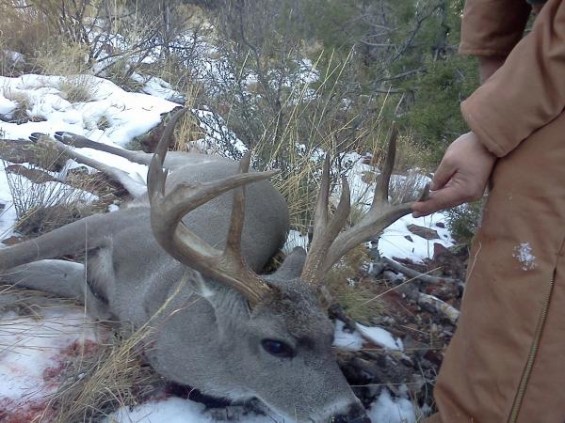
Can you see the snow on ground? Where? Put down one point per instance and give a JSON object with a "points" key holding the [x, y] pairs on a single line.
{"points": [[31, 350], [392, 410], [176, 410], [398, 242], [7, 213], [108, 114], [381, 337], [33, 353]]}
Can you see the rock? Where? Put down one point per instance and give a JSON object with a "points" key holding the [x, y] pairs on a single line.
{"points": [[423, 232]]}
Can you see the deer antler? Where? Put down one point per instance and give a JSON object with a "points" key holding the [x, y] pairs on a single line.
{"points": [[328, 244], [167, 211]]}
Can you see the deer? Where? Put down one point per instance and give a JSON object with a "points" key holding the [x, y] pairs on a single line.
{"points": [[185, 258]]}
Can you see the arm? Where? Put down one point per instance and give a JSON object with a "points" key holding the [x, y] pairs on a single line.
{"points": [[530, 86], [491, 28], [489, 32]]}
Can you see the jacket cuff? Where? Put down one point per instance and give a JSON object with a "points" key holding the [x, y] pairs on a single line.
{"points": [[493, 139]]}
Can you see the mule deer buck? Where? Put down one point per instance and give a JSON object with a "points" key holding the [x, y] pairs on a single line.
{"points": [[183, 257]]}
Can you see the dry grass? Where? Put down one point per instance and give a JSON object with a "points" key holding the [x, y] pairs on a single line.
{"points": [[334, 132], [315, 123], [357, 297], [22, 30], [58, 56], [23, 102], [40, 32], [188, 129], [77, 88], [113, 377]]}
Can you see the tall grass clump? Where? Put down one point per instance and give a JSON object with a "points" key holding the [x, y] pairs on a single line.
{"points": [[42, 203]]}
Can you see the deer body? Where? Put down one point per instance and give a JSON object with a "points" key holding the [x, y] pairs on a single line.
{"points": [[272, 342]]}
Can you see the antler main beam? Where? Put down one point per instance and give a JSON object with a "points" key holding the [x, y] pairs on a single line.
{"points": [[328, 244], [167, 211]]}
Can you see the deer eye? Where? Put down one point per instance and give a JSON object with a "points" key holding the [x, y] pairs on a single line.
{"points": [[279, 349]]}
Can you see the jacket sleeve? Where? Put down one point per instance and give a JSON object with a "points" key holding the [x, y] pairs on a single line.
{"points": [[492, 27], [528, 91]]}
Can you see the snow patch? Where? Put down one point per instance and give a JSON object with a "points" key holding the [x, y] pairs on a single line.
{"points": [[351, 341], [523, 253], [389, 410], [381, 337], [7, 106], [293, 240]]}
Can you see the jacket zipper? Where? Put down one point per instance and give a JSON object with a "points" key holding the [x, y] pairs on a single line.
{"points": [[519, 398]]}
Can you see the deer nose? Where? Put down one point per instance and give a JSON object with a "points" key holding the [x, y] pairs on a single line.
{"points": [[355, 414]]}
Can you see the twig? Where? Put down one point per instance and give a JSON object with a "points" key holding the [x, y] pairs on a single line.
{"points": [[435, 305], [414, 274]]}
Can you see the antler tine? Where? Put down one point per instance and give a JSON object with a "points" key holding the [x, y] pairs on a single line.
{"points": [[156, 175], [167, 211], [167, 136], [233, 243], [383, 182], [325, 231]]}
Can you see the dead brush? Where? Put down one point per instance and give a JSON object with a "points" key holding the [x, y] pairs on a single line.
{"points": [[41, 204], [188, 130], [28, 302], [329, 130], [58, 56]]}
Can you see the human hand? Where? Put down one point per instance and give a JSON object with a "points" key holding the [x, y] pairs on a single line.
{"points": [[462, 176]]}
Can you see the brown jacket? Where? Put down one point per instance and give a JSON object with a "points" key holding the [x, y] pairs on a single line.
{"points": [[505, 361], [528, 92]]}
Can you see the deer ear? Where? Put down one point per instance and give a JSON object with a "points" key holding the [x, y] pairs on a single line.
{"points": [[204, 288], [214, 293], [291, 268]]}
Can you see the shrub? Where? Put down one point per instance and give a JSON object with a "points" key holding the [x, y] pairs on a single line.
{"points": [[464, 221]]}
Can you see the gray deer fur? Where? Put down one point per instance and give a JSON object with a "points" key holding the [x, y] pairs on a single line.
{"points": [[205, 334]]}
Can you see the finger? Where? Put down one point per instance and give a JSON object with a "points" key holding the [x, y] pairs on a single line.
{"points": [[442, 175], [439, 200]]}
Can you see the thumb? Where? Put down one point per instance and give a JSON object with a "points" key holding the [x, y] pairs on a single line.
{"points": [[442, 175], [442, 199]]}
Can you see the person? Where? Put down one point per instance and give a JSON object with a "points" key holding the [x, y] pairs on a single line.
{"points": [[506, 361]]}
